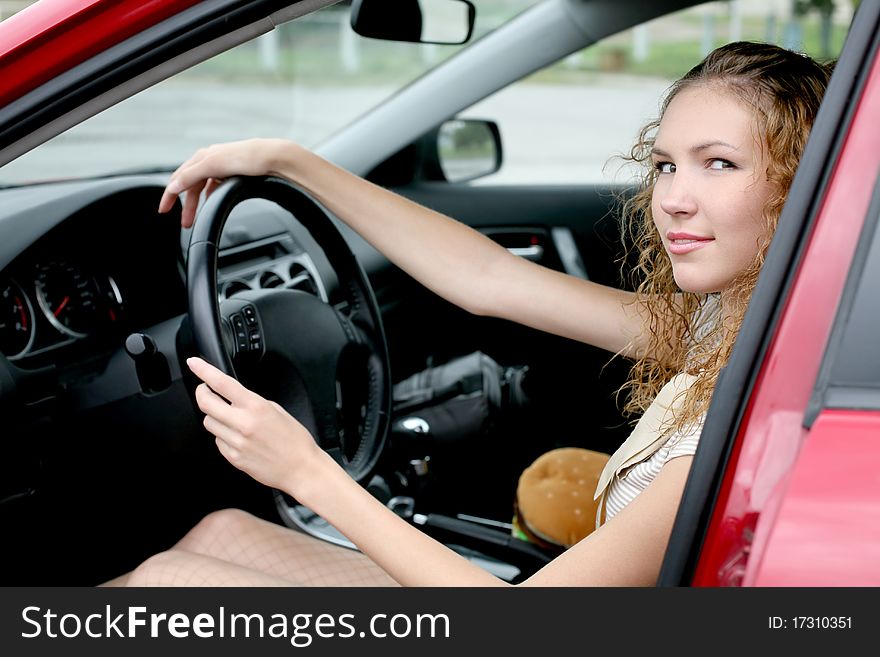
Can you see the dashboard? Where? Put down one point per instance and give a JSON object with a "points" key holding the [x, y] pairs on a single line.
{"points": [[86, 264], [105, 269], [98, 438]]}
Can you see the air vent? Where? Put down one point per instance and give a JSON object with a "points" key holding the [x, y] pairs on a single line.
{"points": [[233, 287], [300, 279], [270, 279], [303, 283]]}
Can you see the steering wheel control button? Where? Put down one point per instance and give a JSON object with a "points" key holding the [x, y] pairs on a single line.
{"points": [[256, 341], [250, 315], [241, 336]]}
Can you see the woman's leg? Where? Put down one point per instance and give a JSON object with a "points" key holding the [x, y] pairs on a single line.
{"points": [[180, 568], [233, 546], [122, 580]]}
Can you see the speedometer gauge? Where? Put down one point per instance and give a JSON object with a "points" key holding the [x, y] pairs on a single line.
{"points": [[68, 297], [16, 320]]}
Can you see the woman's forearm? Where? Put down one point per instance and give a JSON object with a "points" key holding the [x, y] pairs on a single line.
{"points": [[448, 257], [461, 264], [408, 555], [453, 260]]}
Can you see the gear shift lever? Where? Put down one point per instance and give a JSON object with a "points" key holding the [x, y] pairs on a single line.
{"points": [[411, 435], [412, 424]]}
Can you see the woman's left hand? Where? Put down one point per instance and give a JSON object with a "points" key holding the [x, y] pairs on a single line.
{"points": [[254, 434]]}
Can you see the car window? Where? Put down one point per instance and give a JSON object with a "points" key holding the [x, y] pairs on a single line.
{"points": [[304, 81], [850, 373], [565, 123]]}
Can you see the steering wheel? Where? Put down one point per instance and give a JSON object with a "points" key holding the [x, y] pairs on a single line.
{"points": [[327, 365]]}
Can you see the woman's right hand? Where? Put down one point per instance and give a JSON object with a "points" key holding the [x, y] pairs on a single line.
{"points": [[258, 436], [208, 167]]}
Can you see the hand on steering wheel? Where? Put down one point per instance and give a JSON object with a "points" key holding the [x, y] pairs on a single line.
{"points": [[326, 367], [254, 434]]}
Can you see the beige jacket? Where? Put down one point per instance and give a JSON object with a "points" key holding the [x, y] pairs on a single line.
{"points": [[647, 436]]}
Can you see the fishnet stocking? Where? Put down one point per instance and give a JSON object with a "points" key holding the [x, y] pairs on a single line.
{"points": [[180, 568], [234, 548]]}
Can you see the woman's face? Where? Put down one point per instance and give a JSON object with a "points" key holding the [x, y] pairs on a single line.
{"points": [[711, 188]]}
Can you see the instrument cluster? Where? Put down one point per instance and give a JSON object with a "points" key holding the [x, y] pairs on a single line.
{"points": [[55, 303]]}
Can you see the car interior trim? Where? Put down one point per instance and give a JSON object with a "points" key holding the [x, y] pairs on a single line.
{"points": [[568, 252], [49, 205]]}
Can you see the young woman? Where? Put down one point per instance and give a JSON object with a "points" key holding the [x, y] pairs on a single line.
{"points": [[718, 166]]}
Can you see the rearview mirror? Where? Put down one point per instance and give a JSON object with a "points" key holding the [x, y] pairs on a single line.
{"points": [[449, 22]]}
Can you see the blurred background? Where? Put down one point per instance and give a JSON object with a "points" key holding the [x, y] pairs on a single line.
{"points": [[309, 78]]}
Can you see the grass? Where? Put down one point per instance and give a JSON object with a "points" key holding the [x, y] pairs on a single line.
{"points": [[671, 59]]}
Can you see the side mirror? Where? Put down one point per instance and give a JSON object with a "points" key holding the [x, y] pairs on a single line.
{"points": [[468, 149], [449, 22], [456, 151]]}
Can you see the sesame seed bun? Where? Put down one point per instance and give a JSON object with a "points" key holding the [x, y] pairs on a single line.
{"points": [[554, 497]]}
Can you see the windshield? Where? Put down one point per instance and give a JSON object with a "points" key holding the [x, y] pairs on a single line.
{"points": [[303, 81]]}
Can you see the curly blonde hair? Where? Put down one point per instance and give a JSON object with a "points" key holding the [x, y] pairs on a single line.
{"points": [[784, 89]]}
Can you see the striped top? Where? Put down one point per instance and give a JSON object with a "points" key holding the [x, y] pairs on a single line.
{"points": [[624, 488]]}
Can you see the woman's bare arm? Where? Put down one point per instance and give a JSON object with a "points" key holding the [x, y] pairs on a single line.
{"points": [[626, 551], [453, 260], [260, 438]]}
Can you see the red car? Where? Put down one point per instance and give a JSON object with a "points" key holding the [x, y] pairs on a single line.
{"points": [[105, 460]]}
